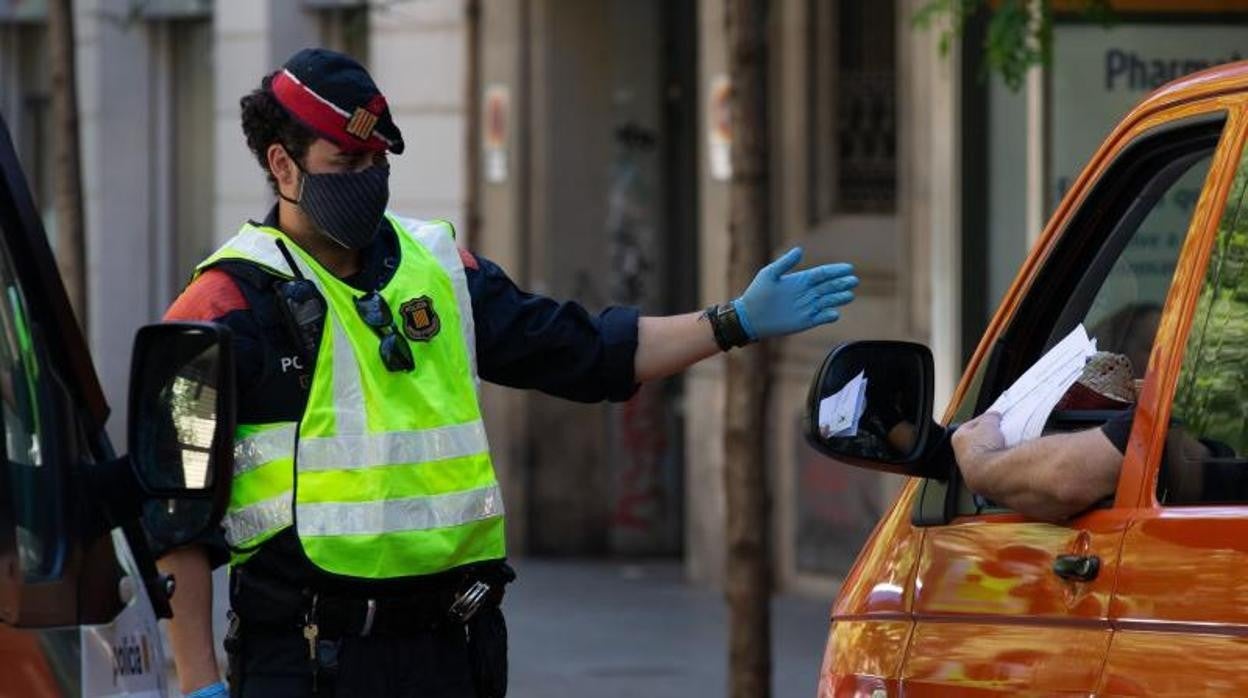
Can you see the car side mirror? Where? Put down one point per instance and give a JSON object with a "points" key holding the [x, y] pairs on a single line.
{"points": [[181, 426], [870, 405]]}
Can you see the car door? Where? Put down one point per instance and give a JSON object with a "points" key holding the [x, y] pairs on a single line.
{"points": [[74, 618], [1180, 610], [991, 616]]}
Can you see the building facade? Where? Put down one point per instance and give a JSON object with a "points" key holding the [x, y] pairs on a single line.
{"points": [[581, 144]]}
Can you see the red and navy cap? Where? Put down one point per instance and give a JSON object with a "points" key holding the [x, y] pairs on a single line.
{"points": [[334, 96]]}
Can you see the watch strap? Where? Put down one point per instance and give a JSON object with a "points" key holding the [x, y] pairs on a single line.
{"points": [[726, 326]]}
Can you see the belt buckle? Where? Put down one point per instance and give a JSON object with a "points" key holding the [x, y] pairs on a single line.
{"points": [[468, 602]]}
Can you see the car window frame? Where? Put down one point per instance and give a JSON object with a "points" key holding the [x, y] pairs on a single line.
{"points": [[1119, 239], [1156, 405], [1020, 344], [996, 362]]}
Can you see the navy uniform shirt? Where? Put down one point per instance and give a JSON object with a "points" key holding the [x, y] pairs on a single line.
{"points": [[523, 341]]}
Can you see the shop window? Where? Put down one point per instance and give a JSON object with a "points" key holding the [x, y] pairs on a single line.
{"points": [[853, 120], [1205, 458]]}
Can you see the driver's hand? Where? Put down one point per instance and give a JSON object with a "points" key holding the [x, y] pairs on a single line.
{"points": [[976, 439]]}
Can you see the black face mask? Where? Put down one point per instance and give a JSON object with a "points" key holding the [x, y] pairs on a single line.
{"points": [[347, 207]]}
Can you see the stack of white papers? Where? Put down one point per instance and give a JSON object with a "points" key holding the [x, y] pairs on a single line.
{"points": [[839, 413], [1025, 406]]}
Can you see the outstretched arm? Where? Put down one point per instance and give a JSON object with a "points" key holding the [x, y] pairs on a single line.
{"points": [[1051, 478], [778, 302], [667, 345]]}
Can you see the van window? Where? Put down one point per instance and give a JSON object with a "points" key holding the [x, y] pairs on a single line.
{"points": [[1111, 271], [1126, 310], [32, 491], [1204, 458]]}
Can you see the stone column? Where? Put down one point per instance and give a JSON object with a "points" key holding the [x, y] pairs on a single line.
{"points": [[503, 237], [930, 194]]}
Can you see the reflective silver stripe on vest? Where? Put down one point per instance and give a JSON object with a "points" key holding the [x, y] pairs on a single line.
{"points": [[349, 413], [263, 447], [368, 450], [261, 248], [436, 237], [398, 515], [244, 524]]}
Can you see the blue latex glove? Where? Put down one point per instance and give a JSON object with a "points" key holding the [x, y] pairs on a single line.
{"points": [[216, 690], [779, 303]]}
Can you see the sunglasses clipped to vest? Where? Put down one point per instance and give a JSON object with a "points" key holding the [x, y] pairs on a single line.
{"points": [[303, 310]]}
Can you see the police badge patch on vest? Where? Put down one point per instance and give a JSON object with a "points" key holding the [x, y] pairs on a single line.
{"points": [[420, 322]]}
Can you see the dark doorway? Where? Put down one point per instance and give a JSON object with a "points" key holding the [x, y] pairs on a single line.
{"points": [[623, 162]]}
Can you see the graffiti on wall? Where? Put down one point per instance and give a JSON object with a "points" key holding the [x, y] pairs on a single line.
{"points": [[837, 507]]}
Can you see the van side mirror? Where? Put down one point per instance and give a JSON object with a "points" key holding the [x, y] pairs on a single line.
{"points": [[870, 405], [181, 426]]}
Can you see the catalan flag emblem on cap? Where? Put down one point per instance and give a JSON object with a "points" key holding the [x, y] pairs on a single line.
{"points": [[334, 96]]}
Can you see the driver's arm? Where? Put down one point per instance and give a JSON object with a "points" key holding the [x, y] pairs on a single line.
{"points": [[1051, 478]]}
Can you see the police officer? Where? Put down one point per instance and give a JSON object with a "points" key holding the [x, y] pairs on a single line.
{"points": [[365, 526]]}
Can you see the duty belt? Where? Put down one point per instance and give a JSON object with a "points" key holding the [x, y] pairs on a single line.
{"points": [[262, 603], [340, 616]]}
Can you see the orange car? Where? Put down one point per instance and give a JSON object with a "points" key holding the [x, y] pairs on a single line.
{"points": [[1146, 593]]}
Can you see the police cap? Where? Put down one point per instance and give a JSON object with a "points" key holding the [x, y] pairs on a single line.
{"points": [[334, 96]]}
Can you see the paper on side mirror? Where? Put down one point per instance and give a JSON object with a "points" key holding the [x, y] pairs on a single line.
{"points": [[1025, 406], [839, 413]]}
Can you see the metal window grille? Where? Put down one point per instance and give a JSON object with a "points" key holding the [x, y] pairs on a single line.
{"points": [[854, 115]]}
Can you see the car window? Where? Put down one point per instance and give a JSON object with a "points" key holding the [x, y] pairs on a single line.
{"points": [[1111, 271], [1126, 309], [32, 491], [1204, 460]]}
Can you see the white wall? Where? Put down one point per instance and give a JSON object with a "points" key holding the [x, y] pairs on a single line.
{"points": [[252, 39], [417, 59], [115, 126]]}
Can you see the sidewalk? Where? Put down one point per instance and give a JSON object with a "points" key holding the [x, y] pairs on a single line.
{"points": [[613, 629]]}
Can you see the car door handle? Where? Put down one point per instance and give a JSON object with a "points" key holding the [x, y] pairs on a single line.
{"points": [[1078, 568]]}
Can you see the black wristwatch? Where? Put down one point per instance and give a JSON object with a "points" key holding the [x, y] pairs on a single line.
{"points": [[726, 326]]}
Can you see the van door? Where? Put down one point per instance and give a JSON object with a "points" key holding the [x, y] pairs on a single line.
{"points": [[1181, 606], [60, 565], [991, 616]]}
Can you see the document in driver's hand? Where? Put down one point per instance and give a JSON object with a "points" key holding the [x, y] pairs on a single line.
{"points": [[1026, 405]]}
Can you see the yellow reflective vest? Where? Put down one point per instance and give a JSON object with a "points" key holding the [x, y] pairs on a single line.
{"points": [[387, 474]]}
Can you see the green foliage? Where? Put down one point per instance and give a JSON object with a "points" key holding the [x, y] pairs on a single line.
{"points": [[1019, 34], [1210, 401]]}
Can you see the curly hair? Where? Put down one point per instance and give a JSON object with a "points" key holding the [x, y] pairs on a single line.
{"points": [[266, 121]]}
